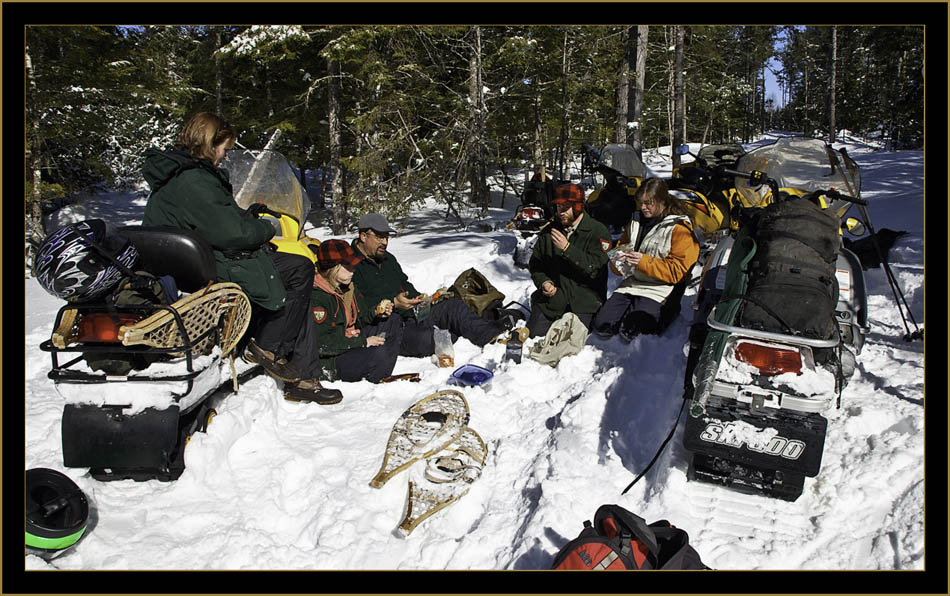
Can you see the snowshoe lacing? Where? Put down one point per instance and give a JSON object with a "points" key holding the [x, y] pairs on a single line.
{"points": [[221, 304]]}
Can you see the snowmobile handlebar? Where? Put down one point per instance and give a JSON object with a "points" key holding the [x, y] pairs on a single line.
{"points": [[833, 194], [258, 209]]}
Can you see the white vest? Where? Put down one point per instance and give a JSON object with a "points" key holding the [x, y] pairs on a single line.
{"points": [[657, 243]]}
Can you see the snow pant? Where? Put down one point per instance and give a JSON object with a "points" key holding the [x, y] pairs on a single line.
{"points": [[290, 330], [372, 363], [454, 316], [539, 323], [628, 316]]}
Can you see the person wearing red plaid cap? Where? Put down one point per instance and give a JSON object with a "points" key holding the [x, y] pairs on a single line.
{"points": [[568, 264], [346, 351]]}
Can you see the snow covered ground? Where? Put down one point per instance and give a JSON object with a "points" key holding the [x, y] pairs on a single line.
{"points": [[275, 485]]}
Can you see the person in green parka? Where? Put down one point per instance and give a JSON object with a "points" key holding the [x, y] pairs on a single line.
{"points": [[568, 264], [190, 191], [348, 351]]}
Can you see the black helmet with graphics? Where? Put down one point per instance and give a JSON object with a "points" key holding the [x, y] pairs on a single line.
{"points": [[82, 261]]}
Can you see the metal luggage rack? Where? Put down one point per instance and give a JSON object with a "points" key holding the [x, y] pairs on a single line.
{"points": [[64, 373]]}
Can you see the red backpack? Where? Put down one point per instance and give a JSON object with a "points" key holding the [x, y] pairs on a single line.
{"points": [[619, 539]]}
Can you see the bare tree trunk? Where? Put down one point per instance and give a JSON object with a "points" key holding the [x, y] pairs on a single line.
{"points": [[623, 83], [678, 107], [217, 71], [33, 157], [565, 110], [35, 227], [832, 126], [339, 211], [636, 100], [480, 194], [538, 155]]}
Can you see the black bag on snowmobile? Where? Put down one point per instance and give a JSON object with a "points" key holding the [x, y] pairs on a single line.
{"points": [[792, 286]]}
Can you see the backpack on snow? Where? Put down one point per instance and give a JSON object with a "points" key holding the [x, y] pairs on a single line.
{"points": [[477, 293], [619, 539], [792, 288], [565, 337]]}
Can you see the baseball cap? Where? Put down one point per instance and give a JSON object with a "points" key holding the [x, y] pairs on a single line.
{"points": [[375, 222], [334, 252]]}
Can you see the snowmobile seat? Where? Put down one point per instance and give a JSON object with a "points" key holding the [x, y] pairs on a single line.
{"points": [[183, 254]]}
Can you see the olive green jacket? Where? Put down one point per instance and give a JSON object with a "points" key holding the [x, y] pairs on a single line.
{"points": [[579, 272], [195, 195], [378, 281]]}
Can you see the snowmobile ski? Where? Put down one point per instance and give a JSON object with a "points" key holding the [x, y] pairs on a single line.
{"points": [[425, 428], [448, 476]]}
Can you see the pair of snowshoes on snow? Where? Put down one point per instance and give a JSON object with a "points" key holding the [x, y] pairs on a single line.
{"points": [[434, 429]]}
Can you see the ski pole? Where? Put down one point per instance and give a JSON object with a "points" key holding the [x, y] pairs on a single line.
{"points": [[891, 280]]}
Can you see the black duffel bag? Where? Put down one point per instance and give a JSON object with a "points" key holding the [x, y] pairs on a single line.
{"points": [[792, 287]]}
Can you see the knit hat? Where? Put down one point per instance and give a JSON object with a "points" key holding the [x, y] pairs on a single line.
{"points": [[569, 194], [334, 252]]}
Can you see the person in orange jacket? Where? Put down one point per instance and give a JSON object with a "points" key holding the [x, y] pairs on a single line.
{"points": [[656, 252]]}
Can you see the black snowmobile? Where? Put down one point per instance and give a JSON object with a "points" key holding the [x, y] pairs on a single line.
{"points": [[781, 315], [534, 212], [622, 171], [147, 342]]}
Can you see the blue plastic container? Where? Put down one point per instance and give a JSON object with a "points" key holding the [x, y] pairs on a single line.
{"points": [[470, 375]]}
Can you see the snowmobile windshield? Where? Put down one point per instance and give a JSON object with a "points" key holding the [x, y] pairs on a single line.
{"points": [[715, 155], [623, 159], [802, 164], [267, 177]]}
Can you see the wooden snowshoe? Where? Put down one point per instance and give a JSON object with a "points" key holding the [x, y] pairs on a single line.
{"points": [[427, 427], [447, 477], [411, 377], [223, 303]]}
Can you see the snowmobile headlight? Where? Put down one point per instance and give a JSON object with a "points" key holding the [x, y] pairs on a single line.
{"points": [[770, 359]]}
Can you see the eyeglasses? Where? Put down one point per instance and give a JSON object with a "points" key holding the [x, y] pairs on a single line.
{"points": [[380, 235]]}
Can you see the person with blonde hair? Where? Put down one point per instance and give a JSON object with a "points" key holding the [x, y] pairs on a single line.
{"points": [[348, 350], [654, 256], [190, 191]]}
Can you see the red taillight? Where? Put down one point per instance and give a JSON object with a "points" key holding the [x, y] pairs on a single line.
{"points": [[770, 360], [103, 327], [532, 213]]}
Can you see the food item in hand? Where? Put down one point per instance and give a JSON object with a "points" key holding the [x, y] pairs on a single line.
{"points": [[383, 306]]}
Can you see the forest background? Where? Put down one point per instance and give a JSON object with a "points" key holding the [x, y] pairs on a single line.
{"points": [[390, 115]]}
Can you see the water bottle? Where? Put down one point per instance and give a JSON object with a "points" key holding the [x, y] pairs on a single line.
{"points": [[513, 348]]}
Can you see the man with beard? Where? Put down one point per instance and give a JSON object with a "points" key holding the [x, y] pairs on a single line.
{"points": [[382, 289], [568, 264]]}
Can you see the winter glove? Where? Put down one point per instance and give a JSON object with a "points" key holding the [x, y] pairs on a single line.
{"points": [[256, 209]]}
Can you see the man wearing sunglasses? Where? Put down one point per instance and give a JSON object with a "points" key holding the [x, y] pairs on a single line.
{"points": [[384, 289]]}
